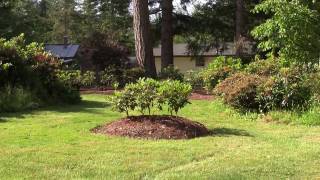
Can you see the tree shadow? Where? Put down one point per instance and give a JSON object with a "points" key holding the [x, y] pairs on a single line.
{"points": [[3, 120], [84, 106], [220, 132]]}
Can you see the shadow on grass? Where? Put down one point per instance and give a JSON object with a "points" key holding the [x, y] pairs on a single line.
{"points": [[2, 120], [84, 106], [228, 132]]}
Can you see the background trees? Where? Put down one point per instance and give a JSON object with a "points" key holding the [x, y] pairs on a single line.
{"points": [[292, 32], [167, 33], [29, 17], [209, 25]]}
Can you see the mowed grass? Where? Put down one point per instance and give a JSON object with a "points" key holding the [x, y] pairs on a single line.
{"points": [[56, 143]]}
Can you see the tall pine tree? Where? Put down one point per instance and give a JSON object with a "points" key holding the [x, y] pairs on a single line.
{"points": [[143, 43]]}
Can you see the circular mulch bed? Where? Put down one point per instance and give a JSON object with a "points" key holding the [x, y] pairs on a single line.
{"points": [[154, 127]]}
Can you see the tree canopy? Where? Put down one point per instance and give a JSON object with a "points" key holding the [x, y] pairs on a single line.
{"points": [[292, 32]]}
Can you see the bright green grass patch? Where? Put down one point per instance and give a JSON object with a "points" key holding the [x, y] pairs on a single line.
{"points": [[56, 143]]}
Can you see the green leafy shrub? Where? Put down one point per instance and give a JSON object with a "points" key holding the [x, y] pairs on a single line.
{"points": [[71, 78], [313, 82], [291, 30], [123, 101], [286, 90], [174, 94], [109, 76], [112, 75], [172, 73], [75, 79], [147, 94], [240, 90], [218, 70], [30, 67], [16, 99], [141, 96], [194, 79], [132, 75], [261, 67], [61, 94], [88, 79]]}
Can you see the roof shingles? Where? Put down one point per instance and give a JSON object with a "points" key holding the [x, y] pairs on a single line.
{"points": [[62, 51]]}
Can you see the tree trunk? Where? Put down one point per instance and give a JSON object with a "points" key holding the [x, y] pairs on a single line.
{"points": [[143, 42], [239, 27], [166, 34]]}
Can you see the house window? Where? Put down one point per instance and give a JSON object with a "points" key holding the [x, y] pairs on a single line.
{"points": [[199, 62]]}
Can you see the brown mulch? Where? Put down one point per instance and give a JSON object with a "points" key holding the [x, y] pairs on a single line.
{"points": [[154, 127], [96, 91], [196, 95], [201, 95]]}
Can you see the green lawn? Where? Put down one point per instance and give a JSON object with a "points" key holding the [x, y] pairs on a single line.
{"points": [[56, 143]]}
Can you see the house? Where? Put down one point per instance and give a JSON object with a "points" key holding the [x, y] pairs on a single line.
{"points": [[66, 52], [186, 62]]}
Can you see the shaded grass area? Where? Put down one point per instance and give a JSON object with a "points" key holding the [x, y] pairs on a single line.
{"points": [[56, 143]]}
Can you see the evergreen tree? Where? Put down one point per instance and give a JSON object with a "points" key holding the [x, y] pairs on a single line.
{"points": [[143, 43], [167, 33]]}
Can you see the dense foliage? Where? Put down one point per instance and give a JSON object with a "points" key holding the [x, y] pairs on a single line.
{"points": [[292, 32], [147, 94], [16, 99], [75, 79], [29, 68], [174, 94], [105, 51], [113, 75], [240, 90], [220, 68], [267, 85], [286, 90], [172, 73], [195, 79]]}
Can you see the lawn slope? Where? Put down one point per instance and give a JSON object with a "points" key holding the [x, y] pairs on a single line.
{"points": [[56, 143]]}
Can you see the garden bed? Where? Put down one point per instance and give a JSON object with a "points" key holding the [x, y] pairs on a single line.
{"points": [[154, 127]]}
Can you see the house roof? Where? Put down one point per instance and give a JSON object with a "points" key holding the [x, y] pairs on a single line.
{"points": [[182, 50], [62, 51]]}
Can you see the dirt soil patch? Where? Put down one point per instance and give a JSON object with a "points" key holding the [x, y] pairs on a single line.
{"points": [[199, 95], [154, 127]]}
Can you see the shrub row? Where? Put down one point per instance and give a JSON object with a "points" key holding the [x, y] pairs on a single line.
{"points": [[265, 86], [148, 94], [218, 70], [76, 79], [28, 73], [107, 78]]}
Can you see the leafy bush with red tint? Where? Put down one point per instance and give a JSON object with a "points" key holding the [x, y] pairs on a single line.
{"points": [[240, 90], [290, 88]]}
